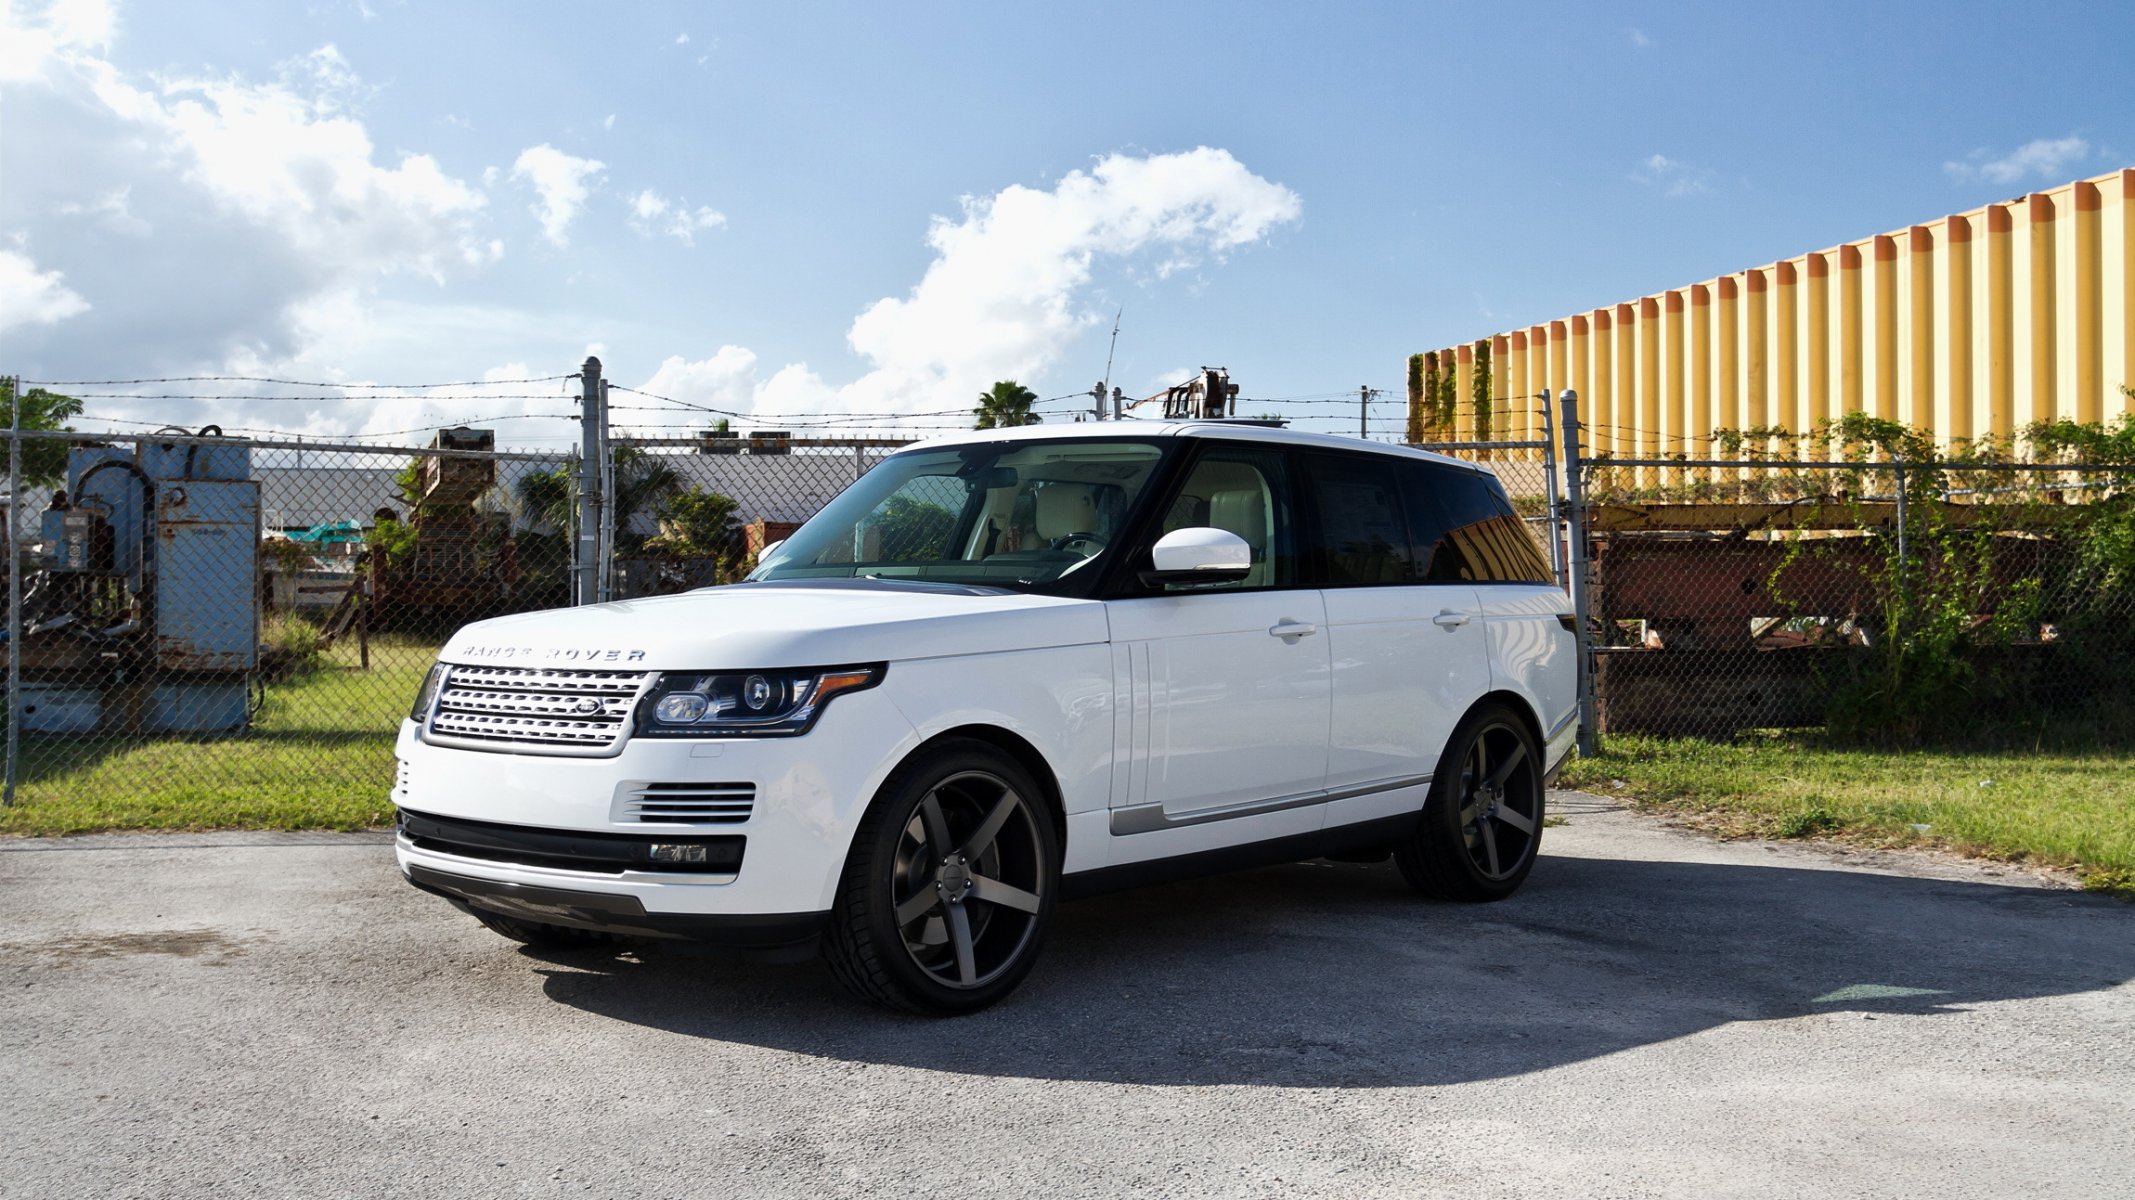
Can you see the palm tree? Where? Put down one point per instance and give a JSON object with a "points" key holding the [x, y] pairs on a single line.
{"points": [[43, 462], [1005, 406]]}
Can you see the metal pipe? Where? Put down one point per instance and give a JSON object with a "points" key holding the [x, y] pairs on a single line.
{"points": [[1569, 427], [144, 542], [1549, 482], [1812, 464], [14, 589]]}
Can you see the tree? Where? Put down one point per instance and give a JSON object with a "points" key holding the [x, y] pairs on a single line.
{"points": [[1005, 406], [696, 523], [44, 462], [550, 498], [914, 530]]}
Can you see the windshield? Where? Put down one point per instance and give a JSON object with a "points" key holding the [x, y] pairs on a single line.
{"points": [[1019, 515]]}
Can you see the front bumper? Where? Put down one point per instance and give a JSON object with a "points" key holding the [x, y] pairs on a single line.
{"points": [[608, 912], [530, 824]]}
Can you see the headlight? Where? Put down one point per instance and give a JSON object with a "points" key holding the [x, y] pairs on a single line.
{"points": [[745, 703], [426, 695]]}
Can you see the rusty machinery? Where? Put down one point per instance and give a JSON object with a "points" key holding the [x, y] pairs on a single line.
{"points": [[142, 616], [1205, 397]]}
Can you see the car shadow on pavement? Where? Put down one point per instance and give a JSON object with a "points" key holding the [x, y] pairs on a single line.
{"points": [[1325, 974]]}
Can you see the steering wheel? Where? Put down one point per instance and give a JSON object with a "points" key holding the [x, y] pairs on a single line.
{"points": [[1065, 540]]}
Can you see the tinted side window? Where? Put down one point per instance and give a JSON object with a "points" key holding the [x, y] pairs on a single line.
{"points": [[1465, 529], [1361, 534], [1248, 493]]}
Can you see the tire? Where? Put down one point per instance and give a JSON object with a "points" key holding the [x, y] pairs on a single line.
{"points": [[1482, 820], [950, 884], [538, 935]]}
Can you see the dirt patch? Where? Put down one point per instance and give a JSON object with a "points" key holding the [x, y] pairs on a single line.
{"points": [[209, 945]]}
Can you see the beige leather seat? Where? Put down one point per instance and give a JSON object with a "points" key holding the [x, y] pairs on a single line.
{"points": [[1065, 508], [1244, 511]]}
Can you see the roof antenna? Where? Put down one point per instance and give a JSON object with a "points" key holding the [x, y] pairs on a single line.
{"points": [[1106, 386]]}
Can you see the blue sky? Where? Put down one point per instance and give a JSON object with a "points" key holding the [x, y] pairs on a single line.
{"points": [[799, 209]]}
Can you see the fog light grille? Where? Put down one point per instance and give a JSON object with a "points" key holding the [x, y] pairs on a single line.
{"points": [[688, 803]]}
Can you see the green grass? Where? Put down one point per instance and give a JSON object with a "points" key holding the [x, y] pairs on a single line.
{"points": [[2072, 808], [319, 756]]}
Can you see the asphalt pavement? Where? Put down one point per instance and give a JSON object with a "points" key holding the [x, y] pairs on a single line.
{"points": [[1656, 1014]]}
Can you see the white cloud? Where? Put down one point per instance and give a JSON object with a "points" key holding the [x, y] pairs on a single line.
{"points": [[2047, 159], [725, 381], [608, 122], [29, 296], [1673, 176], [1638, 37], [1004, 296], [559, 183], [653, 213], [261, 195], [681, 39]]}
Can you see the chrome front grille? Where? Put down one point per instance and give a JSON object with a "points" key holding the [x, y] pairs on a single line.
{"points": [[687, 803], [541, 710]]}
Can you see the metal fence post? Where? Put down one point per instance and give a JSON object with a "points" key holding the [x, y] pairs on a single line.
{"points": [[1550, 450], [592, 463], [611, 470], [1899, 465], [14, 588], [1575, 541]]}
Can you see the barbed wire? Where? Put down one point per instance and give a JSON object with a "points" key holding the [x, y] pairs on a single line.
{"points": [[284, 433], [248, 397], [52, 383]]}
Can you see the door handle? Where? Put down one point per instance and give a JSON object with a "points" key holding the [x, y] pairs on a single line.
{"points": [[1450, 619], [1290, 631]]}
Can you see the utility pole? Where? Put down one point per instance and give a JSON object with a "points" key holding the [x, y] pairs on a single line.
{"points": [[1097, 396], [1119, 403], [592, 462], [1364, 412]]}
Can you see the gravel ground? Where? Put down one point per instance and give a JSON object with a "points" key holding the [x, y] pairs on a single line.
{"points": [[1655, 1015]]}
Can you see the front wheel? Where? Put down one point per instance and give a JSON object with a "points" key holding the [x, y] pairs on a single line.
{"points": [[949, 886], [1482, 822]]}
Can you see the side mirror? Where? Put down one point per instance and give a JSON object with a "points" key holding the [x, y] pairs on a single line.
{"points": [[763, 559], [1198, 555]]}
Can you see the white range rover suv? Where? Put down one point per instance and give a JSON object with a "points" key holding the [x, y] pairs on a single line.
{"points": [[1004, 669]]}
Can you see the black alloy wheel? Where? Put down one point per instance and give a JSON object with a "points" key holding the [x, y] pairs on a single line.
{"points": [[1482, 822], [949, 886]]}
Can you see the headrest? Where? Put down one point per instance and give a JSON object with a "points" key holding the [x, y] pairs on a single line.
{"points": [[1065, 508], [1243, 511]]}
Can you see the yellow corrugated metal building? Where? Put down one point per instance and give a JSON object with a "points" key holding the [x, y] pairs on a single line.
{"points": [[1972, 325]]}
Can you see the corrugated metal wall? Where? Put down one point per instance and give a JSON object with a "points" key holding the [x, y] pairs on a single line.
{"points": [[1972, 325]]}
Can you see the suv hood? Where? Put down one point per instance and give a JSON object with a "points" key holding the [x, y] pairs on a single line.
{"points": [[781, 625]]}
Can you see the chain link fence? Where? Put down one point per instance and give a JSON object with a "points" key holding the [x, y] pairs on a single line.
{"points": [[1889, 601], [213, 629]]}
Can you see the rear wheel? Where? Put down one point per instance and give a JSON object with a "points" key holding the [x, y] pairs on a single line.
{"points": [[950, 884], [1482, 822], [538, 935]]}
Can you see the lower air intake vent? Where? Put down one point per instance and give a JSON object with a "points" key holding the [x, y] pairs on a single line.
{"points": [[688, 803]]}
